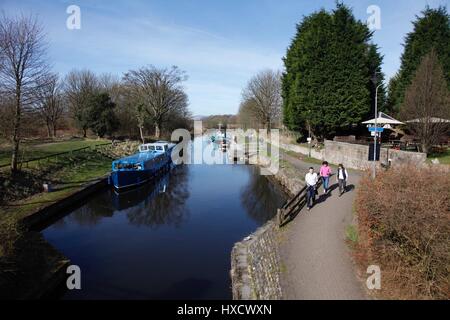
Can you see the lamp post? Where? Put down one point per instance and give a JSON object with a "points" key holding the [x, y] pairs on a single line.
{"points": [[309, 133], [376, 133], [309, 139]]}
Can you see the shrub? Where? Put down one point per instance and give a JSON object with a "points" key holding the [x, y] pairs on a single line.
{"points": [[404, 227]]}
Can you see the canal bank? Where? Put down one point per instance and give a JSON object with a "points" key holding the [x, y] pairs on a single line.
{"points": [[35, 267], [256, 266], [30, 267]]}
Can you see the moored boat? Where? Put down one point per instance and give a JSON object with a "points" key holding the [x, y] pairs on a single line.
{"points": [[141, 167]]}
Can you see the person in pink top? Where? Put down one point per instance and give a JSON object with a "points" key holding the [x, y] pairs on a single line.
{"points": [[325, 173]]}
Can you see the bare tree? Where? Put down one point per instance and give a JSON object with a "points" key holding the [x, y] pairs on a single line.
{"points": [[23, 50], [79, 86], [263, 94], [6, 116], [246, 115], [158, 92], [110, 84], [50, 104], [427, 103], [131, 110], [179, 117]]}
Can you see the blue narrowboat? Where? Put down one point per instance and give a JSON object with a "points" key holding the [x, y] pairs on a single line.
{"points": [[141, 167]]}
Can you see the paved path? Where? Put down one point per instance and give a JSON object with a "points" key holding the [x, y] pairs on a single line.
{"points": [[314, 253]]}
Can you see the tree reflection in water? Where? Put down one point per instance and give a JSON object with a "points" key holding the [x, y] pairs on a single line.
{"points": [[94, 211], [261, 198], [164, 203]]}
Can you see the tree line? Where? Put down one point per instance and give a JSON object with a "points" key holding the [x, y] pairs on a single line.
{"points": [[332, 69], [146, 100]]}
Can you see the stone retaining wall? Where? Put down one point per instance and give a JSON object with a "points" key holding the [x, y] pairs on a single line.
{"points": [[255, 261], [255, 271], [356, 156]]}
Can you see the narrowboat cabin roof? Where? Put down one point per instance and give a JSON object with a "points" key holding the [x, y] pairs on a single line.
{"points": [[156, 146], [146, 152]]}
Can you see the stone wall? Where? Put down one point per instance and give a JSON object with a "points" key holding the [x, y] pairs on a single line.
{"points": [[398, 157], [356, 156], [255, 261], [353, 156], [255, 271]]}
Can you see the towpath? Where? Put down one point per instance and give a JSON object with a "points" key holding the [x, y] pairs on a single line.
{"points": [[315, 256]]}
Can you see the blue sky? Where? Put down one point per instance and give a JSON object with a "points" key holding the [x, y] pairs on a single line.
{"points": [[219, 43]]}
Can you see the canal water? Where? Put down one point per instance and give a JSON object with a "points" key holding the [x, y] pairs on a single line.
{"points": [[170, 239]]}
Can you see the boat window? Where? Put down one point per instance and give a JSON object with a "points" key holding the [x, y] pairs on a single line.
{"points": [[126, 166], [152, 148], [166, 147], [137, 166], [159, 148], [144, 148]]}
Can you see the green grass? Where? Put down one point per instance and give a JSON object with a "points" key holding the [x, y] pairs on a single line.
{"points": [[23, 208], [444, 158], [36, 149], [303, 157], [312, 160], [72, 173], [268, 154], [352, 234], [69, 173], [10, 217]]}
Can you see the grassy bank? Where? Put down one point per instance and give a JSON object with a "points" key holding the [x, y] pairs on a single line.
{"points": [[444, 158], [22, 194], [42, 148]]}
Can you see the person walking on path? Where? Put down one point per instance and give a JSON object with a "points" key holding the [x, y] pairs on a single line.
{"points": [[342, 177], [311, 180], [325, 173]]}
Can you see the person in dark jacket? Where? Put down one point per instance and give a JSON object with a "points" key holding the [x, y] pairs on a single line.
{"points": [[342, 178]]}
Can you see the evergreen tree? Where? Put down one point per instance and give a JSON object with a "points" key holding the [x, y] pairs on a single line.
{"points": [[329, 71], [100, 114], [431, 30], [375, 62]]}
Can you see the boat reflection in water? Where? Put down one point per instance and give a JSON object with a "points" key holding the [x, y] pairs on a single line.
{"points": [[160, 202], [138, 197]]}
